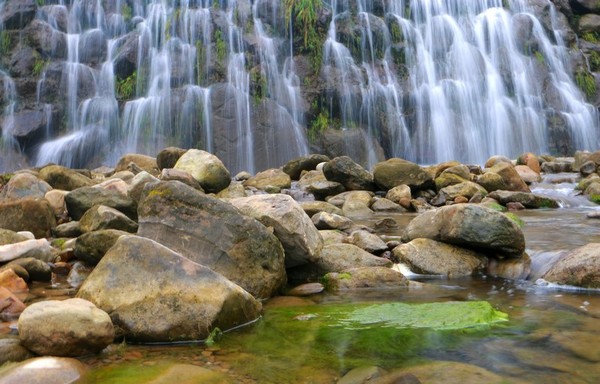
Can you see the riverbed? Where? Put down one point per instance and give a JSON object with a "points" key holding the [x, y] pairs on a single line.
{"points": [[552, 334]]}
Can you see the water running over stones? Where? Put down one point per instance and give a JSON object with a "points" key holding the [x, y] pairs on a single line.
{"points": [[257, 84]]}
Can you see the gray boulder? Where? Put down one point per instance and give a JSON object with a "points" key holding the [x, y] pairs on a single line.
{"points": [[25, 185], [348, 173], [428, 256], [153, 294], [82, 199], [269, 179], [300, 238], [91, 247], [341, 257], [213, 233], [394, 172], [470, 226], [529, 200], [295, 166], [365, 277]]}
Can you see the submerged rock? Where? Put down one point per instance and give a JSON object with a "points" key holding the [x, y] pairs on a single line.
{"points": [[72, 327], [44, 370], [154, 294], [452, 373]]}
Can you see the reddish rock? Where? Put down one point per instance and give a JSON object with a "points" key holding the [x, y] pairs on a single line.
{"points": [[12, 282], [10, 306]]}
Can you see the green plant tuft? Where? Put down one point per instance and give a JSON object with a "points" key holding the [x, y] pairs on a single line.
{"points": [[220, 46], [587, 83], [126, 87], [4, 42]]}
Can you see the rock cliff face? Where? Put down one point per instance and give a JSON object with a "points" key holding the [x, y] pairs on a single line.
{"points": [[260, 82]]}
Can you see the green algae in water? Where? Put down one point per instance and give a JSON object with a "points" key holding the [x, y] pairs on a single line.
{"points": [[438, 316], [307, 343]]}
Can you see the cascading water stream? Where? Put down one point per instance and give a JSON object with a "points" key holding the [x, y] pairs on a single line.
{"points": [[464, 86], [428, 81]]}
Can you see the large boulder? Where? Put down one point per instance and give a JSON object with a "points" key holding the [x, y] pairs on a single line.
{"points": [[72, 327], [64, 178], [29, 214], [580, 267], [348, 173], [82, 199], [91, 247], [153, 294], [394, 172], [205, 167], [300, 238], [213, 233], [470, 226], [428, 256], [510, 176]]}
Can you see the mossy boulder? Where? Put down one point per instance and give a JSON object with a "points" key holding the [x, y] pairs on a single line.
{"points": [[205, 167], [470, 226], [154, 294], [213, 233], [394, 172]]}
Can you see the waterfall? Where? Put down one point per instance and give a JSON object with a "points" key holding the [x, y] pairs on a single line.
{"points": [[426, 80], [439, 80]]}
